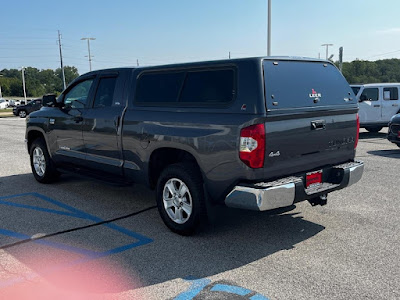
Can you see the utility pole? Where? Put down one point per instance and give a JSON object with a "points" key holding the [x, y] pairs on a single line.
{"points": [[137, 62], [326, 45], [269, 29], [61, 59], [23, 82], [88, 44], [1, 95], [229, 54], [340, 59]]}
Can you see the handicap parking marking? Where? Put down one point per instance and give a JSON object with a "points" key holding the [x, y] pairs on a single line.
{"points": [[204, 288], [69, 211]]}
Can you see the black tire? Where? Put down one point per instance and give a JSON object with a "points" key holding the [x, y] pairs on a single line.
{"points": [[22, 114], [191, 177], [50, 173], [374, 129]]}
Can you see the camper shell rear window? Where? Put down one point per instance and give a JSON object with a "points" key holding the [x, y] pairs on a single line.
{"points": [[299, 84]]}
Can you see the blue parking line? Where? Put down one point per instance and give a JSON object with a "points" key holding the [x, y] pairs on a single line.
{"points": [[197, 286], [237, 290], [48, 243], [52, 211], [204, 284], [140, 239]]}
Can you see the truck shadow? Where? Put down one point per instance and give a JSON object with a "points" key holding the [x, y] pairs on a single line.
{"points": [[372, 135], [235, 239], [393, 153]]}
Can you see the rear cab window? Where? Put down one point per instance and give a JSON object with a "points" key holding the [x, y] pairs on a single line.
{"points": [[304, 84]]}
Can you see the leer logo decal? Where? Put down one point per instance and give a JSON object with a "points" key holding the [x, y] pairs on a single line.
{"points": [[314, 94]]}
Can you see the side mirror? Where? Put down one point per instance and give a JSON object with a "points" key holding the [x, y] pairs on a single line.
{"points": [[49, 100], [363, 98]]}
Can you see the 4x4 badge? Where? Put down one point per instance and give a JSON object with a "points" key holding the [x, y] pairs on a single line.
{"points": [[272, 154]]}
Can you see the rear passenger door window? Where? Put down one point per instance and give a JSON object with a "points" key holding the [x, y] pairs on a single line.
{"points": [[391, 93], [105, 92]]}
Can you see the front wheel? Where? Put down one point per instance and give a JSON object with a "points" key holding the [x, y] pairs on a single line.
{"points": [[43, 168], [22, 114], [180, 198]]}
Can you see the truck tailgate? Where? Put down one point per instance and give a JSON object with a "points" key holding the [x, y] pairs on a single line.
{"points": [[311, 116]]}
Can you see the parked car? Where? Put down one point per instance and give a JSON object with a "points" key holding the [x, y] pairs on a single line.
{"points": [[394, 130], [378, 102], [24, 110], [254, 133], [11, 103], [19, 102], [3, 103]]}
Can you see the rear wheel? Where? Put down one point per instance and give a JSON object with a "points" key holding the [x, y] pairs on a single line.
{"points": [[180, 198], [374, 128], [22, 114], [43, 167]]}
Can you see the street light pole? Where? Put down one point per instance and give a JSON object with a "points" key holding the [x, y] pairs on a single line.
{"points": [[1, 95], [327, 45], [88, 44], [269, 29], [23, 82]]}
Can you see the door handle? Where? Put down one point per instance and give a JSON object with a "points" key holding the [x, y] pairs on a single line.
{"points": [[395, 105], [78, 119], [117, 120], [377, 106], [318, 125]]}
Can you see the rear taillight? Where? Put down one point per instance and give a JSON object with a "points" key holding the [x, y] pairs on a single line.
{"points": [[252, 145], [358, 132]]}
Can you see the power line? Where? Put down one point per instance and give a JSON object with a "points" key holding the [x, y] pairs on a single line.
{"points": [[384, 54]]}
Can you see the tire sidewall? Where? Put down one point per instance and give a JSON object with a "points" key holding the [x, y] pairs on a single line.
{"points": [[22, 111], [48, 175], [193, 182]]}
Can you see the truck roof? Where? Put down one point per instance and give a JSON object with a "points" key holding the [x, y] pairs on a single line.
{"points": [[221, 61], [377, 84]]}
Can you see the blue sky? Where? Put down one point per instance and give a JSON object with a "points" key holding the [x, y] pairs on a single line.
{"points": [[168, 31]]}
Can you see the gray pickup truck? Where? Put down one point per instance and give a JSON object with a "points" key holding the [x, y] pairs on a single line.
{"points": [[253, 133]]}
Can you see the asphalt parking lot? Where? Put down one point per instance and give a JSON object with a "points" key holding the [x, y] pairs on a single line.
{"points": [[55, 236]]}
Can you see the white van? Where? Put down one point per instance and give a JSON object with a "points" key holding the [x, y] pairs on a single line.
{"points": [[378, 102]]}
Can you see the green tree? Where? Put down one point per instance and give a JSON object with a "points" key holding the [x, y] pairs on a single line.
{"points": [[37, 82]]}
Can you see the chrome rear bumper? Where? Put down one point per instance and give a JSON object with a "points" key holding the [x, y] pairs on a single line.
{"points": [[286, 191]]}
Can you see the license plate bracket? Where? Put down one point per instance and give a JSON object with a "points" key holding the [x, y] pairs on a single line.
{"points": [[313, 178]]}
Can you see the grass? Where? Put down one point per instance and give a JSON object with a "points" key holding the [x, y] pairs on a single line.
{"points": [[5, 113]]}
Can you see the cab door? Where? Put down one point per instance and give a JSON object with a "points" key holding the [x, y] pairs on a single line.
{"points": [[102, 125], [370, 106], [66, 125], [390, 103]]}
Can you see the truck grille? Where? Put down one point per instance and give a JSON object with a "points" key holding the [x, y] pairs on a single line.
{"points": [[395, 129]]}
